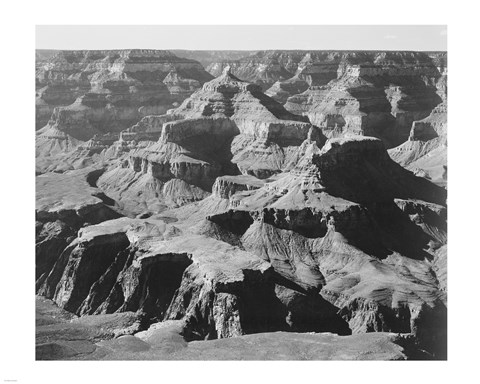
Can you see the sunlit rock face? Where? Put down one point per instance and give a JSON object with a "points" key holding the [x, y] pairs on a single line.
{"points": [[376, 94], [380, 94], [228, 127]]}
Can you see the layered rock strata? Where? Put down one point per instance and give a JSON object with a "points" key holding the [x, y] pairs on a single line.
{"points": [[268, 67], [380, 94], [227, 127], [243, 218], [217, 289], [425, 151], [345, 216], [376, 94], [83, 93]]}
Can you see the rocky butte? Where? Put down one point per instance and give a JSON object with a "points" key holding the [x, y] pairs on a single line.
{"points": [[299, 214]]}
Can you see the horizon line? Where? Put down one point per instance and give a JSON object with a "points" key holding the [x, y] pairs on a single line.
{"points": [[241, 50]]}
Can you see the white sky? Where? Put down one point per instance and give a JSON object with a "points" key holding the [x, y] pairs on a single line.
{"points": [[243, 37]]}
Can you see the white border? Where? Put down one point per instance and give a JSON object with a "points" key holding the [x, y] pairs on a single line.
{"points": [[17, 161]]}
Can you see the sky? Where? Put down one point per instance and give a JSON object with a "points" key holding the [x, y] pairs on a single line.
{"points": [[243, 37]]}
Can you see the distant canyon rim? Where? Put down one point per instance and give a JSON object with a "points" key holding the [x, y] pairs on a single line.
{"points": [[241, 205]]}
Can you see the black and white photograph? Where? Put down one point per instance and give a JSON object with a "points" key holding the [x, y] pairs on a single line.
{"points": [[274, 204], [217, 193]]}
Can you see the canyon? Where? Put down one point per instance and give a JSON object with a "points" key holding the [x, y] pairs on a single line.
{"points": [[227, 204]]}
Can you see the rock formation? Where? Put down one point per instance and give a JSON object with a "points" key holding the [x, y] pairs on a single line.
{"points": [[123, 336], [206, 58], [83, 93], [425, 151], [65, 203], [63, 336], [346, 214], [282, 90], [376, 94], [344, 92], [362, 235], [228, 127], [219, 290], [379, 94], [134, 77], [263, 68], [232, 217]]}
